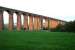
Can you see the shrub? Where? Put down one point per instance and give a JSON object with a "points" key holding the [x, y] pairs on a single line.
{"points": [[70, 26]]}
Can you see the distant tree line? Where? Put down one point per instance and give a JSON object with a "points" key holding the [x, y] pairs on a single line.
{"points": [[68, 27]]}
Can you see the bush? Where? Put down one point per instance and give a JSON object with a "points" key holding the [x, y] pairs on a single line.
{"points": [[45, 28], [70, 26], [59, 28]]}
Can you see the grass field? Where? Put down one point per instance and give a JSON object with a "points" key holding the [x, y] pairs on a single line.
{"points": [[37, 40]]}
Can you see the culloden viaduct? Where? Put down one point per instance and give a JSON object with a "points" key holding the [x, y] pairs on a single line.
{"points": [[35, 20]]}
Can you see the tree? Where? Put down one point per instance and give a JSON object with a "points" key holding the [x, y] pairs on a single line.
{"points": [[70, 26]]}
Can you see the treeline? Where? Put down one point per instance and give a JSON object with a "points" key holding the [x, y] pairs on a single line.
{"points": [[68, 27]]}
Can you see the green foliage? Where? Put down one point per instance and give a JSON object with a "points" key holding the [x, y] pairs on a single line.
{"points": [[45, 28], [70, 26], [59, 28]]}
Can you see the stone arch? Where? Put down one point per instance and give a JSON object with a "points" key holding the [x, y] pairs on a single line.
{"points": [[6, 19], [15, 20]]}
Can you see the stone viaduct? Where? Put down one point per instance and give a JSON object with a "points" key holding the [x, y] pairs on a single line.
{"points": [[37, 24]]}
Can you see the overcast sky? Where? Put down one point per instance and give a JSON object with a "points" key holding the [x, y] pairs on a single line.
{"points": [[59, 9]]}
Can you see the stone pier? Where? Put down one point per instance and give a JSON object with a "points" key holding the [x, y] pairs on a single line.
{"points": [[11, 24], [25, 22], [1, 20], [18, 21], [31, 27]]}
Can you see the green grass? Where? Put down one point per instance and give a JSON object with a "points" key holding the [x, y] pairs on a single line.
{"points": [[37, 40]]}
